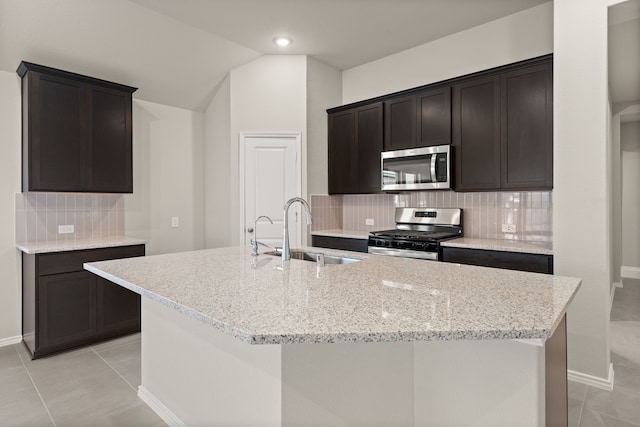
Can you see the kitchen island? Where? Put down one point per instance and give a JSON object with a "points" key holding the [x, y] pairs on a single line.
{"points": [[231, 339]]}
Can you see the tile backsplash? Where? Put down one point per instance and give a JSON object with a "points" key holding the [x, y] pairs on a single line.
{"points": [[38, 216], [484, 213]]}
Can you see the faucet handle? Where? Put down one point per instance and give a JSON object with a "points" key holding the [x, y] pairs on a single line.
{"points": [[249, 229]]}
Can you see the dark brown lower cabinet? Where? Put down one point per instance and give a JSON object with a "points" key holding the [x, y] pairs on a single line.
{"points": [[65, 306], [535, 263]]}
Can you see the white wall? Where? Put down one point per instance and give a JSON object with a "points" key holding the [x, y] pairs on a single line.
{"points": [[616, 198], [10, 258], [630, 140], [324, 90], [582, 194], [167, 178], [266, 95], [217, 155], [520, 36]]}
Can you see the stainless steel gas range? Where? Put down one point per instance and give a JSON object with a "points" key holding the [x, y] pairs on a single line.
{"points": [[418, 233]]}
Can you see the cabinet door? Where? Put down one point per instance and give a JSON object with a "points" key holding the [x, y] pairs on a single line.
{"points": [[342, 143], [400, 123], [476, 134], [54, 133], [66, 310], [535, 263], [369, 146], [118, 308], [434, 117], [109, 149], [527, 129]]}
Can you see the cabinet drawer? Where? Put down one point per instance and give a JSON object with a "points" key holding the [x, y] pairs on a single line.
{"points": [[65, 262]]}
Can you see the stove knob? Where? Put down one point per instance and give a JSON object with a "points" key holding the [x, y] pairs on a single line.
{"points": [[387, 244], [400, 245]]}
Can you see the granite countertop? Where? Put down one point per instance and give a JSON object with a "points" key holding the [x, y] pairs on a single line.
{"points": [[544, 248], [75, 245], [379, 299], [347, 234]]}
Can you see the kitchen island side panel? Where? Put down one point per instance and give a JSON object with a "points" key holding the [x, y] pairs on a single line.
{"points": [[203, 376], [493, 383]]}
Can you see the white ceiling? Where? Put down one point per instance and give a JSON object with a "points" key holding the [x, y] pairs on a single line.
{"points": [[178, 51], [342, 33]]}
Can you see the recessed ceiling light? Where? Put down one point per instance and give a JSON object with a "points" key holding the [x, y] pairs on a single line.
{"points": [[282, 41]]}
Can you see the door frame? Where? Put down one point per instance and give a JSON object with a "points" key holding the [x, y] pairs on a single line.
{"points": [[242, 140]]}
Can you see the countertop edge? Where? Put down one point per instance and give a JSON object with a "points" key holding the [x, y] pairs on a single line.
{"points": [[33, 248], [525, 335], [345, 234], [497, 245]]}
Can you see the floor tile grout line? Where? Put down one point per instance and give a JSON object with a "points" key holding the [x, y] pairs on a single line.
{"points": [[615, 418], [584, 399], [46, 408], [114, 369]]}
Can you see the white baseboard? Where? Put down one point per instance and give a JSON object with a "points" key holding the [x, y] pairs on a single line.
{"points": [[630, 272], [10, 341], [158, 407], [601, 383]]}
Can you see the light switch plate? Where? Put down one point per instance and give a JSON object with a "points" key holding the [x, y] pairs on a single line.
{"points": [[369, 221], [175, 222]]}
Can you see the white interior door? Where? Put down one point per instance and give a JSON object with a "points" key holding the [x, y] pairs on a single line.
{"points": [[269, 176]]}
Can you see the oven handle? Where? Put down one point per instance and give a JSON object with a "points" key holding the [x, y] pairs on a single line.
{"points": [[404, 253]]}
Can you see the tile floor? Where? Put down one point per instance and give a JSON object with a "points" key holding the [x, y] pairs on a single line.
{"points": [[91, 386], [589, 406], [97, 385]]}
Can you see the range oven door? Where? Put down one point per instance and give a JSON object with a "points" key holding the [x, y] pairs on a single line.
{"points": [[425, 168]]}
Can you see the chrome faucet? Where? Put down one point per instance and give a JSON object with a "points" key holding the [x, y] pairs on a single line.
{"points": [[286, 250], [254, 241]]}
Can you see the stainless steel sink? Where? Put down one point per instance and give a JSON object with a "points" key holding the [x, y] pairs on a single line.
{"points": [[313, 256]]}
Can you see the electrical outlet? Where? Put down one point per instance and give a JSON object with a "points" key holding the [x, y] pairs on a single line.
{"points": [[369, 221], [175, 222], [509, 228], [66, 229]]}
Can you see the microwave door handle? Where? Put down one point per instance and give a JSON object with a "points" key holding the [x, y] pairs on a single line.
{"points": [[433, 167]]}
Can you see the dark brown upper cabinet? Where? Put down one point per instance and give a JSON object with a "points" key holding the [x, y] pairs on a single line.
{"points": [[503, 131], [498, 122], [355, 144], [76, 132], [527, 128], [400, 129], [418, 120], [476, 134], [434, 117]]}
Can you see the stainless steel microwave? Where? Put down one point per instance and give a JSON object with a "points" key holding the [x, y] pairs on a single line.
{"points": [[425, 168]]}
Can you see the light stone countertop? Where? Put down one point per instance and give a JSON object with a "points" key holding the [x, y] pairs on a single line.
{"points": [[346, 234], [544, 248], [379, 299], [75, 245]]}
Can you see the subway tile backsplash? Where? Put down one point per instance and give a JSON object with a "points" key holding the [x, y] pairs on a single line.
{"points": [[484, 213], [38, 216]]}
